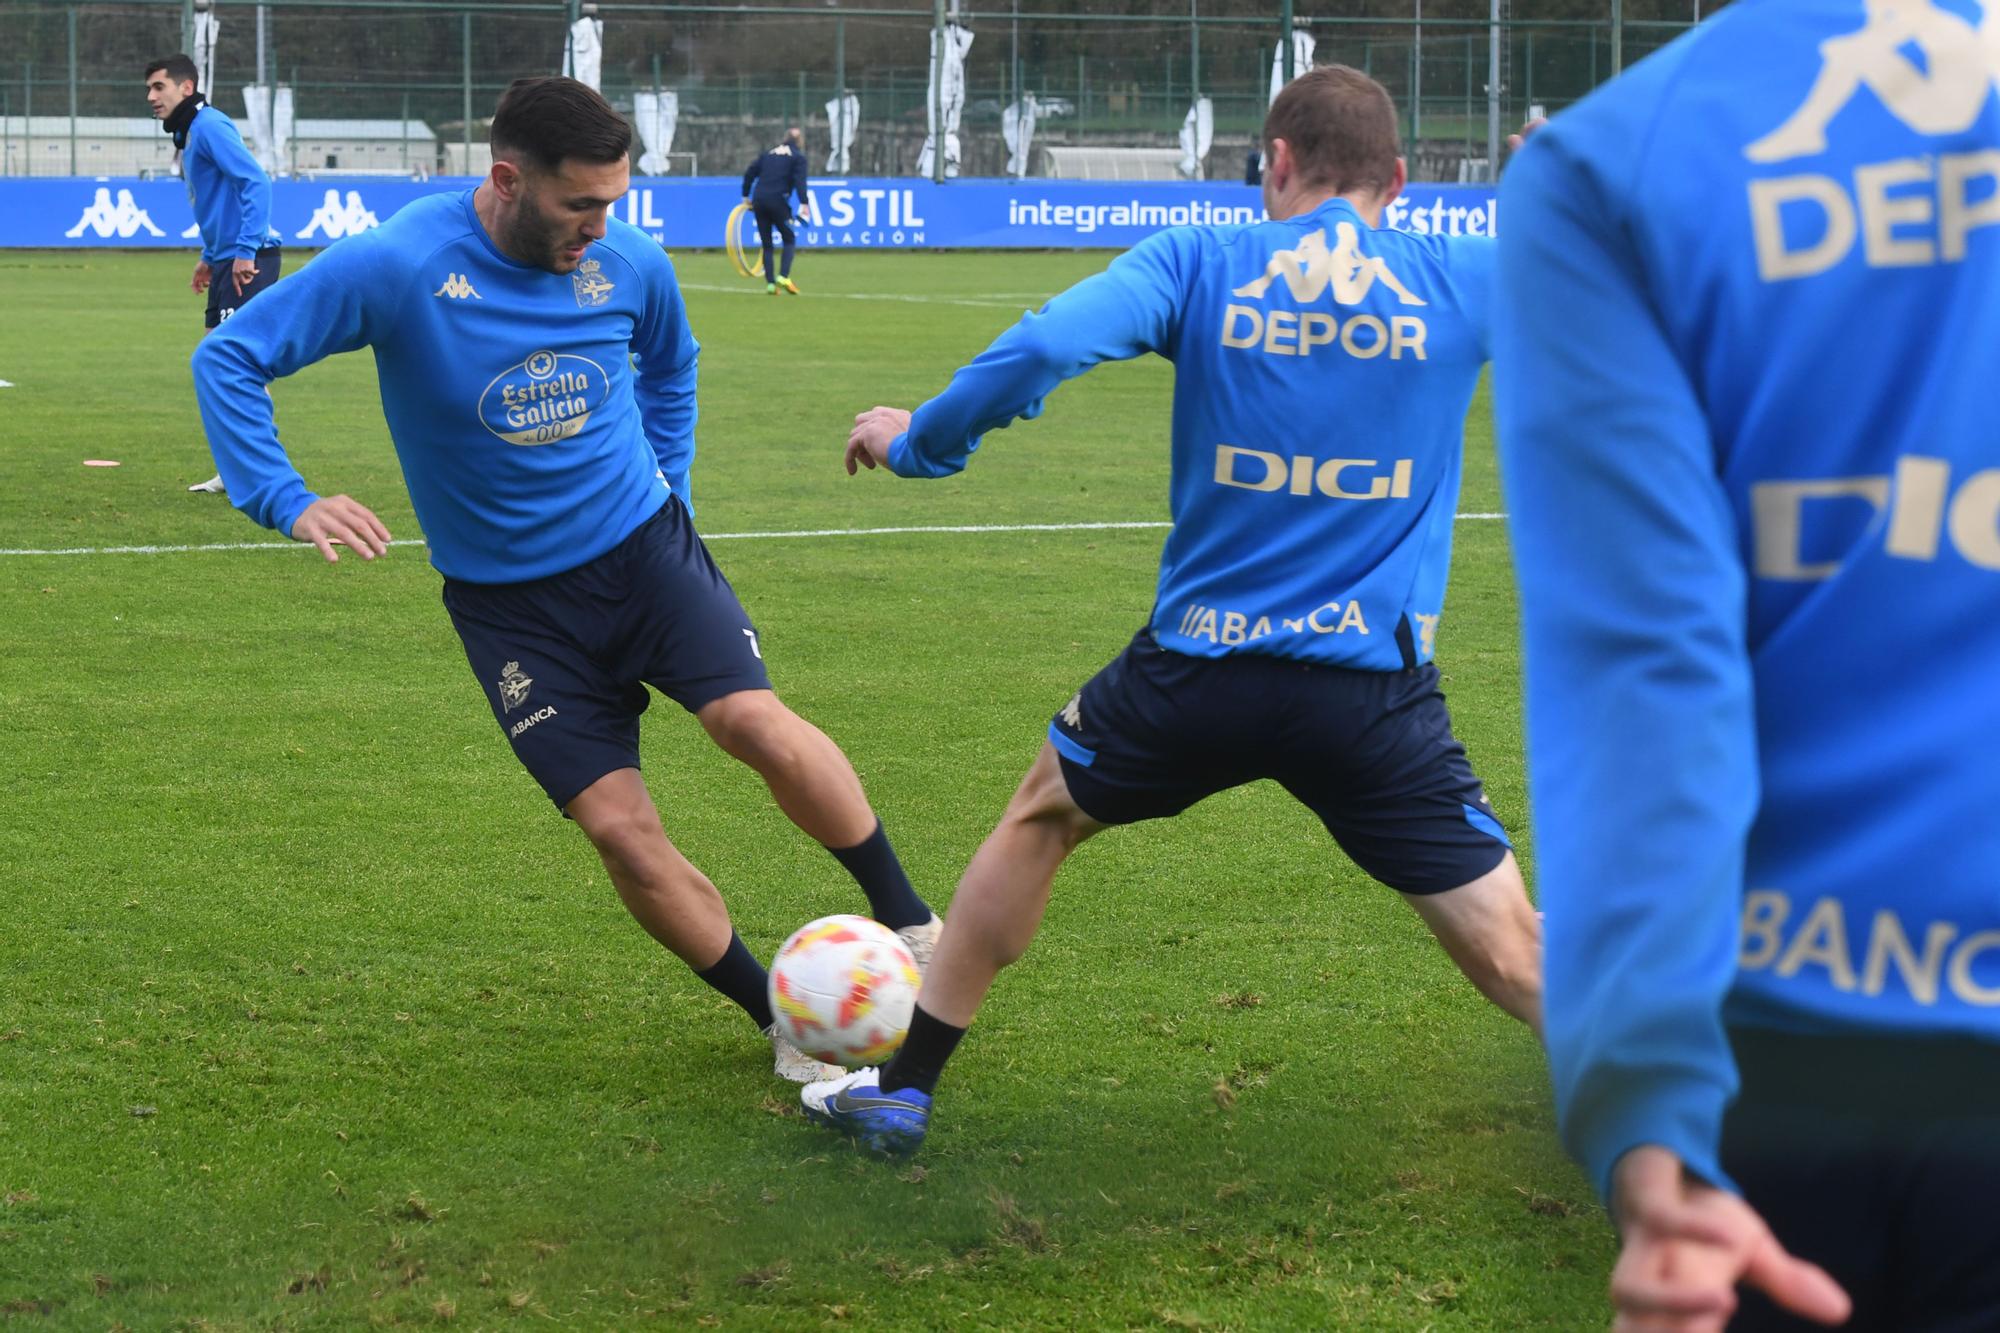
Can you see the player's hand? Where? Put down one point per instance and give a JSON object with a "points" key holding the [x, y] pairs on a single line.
{"points": [[1514, 141], [202, 273], [805, 213], [1685, 1247], [874, 431], [244, 272], [337, 520]]}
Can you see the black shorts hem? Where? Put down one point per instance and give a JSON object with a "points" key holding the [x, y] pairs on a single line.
{"points": [[707, 692], [562, 803], [1463, 873]]}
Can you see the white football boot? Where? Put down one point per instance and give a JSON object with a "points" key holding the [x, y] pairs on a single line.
{"points": [[922, 941], [794, 1065]]}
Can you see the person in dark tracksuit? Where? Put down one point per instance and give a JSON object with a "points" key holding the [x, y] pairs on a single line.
{"points": [[768, 187]]}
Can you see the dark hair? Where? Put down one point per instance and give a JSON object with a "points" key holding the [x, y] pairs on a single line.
{"points": [[549, 118], [1341, 126], [178, 67]]}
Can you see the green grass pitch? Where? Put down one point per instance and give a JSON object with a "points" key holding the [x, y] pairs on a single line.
{"points": [[313, 1015]]}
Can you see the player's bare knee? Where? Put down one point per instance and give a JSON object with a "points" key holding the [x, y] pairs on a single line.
{"points": [[754, 727], [625, 831]]}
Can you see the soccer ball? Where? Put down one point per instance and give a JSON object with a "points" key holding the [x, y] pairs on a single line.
{"points": [[843, 989]]}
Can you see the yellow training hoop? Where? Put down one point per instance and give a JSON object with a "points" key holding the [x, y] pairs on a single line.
{"points": [[732, 241]]}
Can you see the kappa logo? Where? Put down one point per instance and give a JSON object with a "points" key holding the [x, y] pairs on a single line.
{"points": [[591, 286], [122, 218], [458, 287], [1312, 269], [1931, 69], [335, 218], [1072, 712], [514, 687]]}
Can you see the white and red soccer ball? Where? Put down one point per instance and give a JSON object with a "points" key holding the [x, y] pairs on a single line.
{"points": [[843, 989]]}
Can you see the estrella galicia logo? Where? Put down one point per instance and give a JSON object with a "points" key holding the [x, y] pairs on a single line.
{"points": [[514, 686], [549, 396]]}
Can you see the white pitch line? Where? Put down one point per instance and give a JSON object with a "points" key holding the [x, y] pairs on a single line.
{"points": [[707, 536], [864, 296]]}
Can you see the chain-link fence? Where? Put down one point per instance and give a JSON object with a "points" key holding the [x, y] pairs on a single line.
{"points": [[405, 85]]}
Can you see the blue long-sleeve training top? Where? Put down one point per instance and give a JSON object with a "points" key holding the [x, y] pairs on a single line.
{"points": [[1749, 313], [229, 192], [1322, 371], [535, 414], [775, 176]]}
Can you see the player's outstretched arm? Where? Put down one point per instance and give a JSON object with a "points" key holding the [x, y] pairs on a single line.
{"points": [[1686, 1246], [335, 304], [1130, 309]]}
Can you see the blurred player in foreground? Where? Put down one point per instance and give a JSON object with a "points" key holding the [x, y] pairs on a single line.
{"points": [[1322, 375], [1750, 304], [538, 377]]}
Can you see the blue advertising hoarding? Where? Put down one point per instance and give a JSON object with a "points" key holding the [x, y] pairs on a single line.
{"points": [[682, 213]]}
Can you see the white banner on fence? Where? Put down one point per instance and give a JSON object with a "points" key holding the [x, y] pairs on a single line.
{"points": [[949, 70], [1017, 126], [841, 114], [270, 142], [1197, 134], [206, 30], [658, 115], [1302, 59], [583, 52]]}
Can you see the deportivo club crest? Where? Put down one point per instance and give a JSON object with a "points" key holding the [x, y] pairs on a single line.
{"points": [[513, 687], [592, 287]]}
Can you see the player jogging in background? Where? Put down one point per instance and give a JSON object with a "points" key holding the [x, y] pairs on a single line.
{"points": [[230, 194], [768, 187], [538, 377], [1750, 309], [1322, 374]]}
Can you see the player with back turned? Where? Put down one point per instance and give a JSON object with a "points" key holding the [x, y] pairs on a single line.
{"points": [[1751, 306], [538, 377], [1323, 369]]}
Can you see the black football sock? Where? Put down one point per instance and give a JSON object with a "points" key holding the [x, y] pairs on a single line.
{"points": [[740, 976], [918, 1065], [875, 868]]}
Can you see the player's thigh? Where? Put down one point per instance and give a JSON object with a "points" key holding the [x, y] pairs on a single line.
{"points": [[684, 631], [1129, 745], [1044, 799], [1377, 762], [569, 720]]}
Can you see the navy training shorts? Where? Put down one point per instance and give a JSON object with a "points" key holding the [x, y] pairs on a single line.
{"points": [[565, 660], [1876, 1155], [1370, 752], [223, 298]]}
